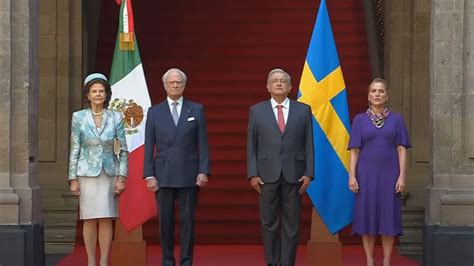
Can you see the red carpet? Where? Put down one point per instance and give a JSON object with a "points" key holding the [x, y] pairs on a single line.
{"points": [[248, 255], [226, 48]]}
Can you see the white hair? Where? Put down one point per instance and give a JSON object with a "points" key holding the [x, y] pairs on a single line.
{"points": [[281, 71], [171, 70]]}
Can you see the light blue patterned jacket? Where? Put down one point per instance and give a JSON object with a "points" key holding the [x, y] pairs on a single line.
{"points": [[92, 148]]}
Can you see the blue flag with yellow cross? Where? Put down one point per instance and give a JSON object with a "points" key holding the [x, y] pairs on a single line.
{"points": [[322, 87]]}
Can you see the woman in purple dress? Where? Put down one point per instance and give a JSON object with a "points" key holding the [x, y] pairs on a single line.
{"points": [[378, 144]]}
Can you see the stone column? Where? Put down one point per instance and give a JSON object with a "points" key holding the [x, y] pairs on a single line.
{"points": [[407, 28], [449, 225], [407, 24], [60, 93], [21, 227]]}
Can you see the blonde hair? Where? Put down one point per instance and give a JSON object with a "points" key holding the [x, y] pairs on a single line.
{"points": [[378, 80]]}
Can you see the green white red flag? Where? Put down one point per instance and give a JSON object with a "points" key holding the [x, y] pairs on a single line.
{"points": [[130, 96]]}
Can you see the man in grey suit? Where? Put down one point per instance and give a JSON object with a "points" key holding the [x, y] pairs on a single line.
{"points": [[280, 165], [176, 163]]}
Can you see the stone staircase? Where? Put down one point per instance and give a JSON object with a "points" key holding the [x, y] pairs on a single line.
{"points": [[227, 48], [60, 227], [411, 242], [60, 224]]}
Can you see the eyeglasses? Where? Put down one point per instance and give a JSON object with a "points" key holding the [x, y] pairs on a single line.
{"points": [[178, 82]]}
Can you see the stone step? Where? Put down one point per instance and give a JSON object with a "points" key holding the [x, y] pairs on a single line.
{"points": [[59, 248], [411, 242], [60, 216], [411, 236], [60, 209], [417, 224], [413, 209], [70, 199], [410, 249], [60, 229], [60, 234], [414, 215]]}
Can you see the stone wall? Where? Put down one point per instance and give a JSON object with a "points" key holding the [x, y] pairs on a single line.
{"points": [[452, 100], [407, 28], [21, 222], [60, 78], [449, 225], [60, 85]]}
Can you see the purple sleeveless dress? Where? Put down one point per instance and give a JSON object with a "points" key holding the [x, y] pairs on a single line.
{"points": [[377, 209]]}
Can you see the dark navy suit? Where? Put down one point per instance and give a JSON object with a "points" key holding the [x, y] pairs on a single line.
{"points": [[175, 155]]}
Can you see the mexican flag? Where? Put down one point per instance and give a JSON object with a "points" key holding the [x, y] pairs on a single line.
{"points": [[130, 96]]}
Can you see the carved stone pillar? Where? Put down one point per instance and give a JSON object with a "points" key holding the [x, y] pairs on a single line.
{"points": [[449, 224], [60, 93], [21, 227], [406, 67]]}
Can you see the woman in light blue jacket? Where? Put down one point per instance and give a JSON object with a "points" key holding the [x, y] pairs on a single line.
{"points": [[97, 174]]}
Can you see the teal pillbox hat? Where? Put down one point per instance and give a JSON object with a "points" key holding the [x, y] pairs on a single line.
{"points": [[93, 76]]}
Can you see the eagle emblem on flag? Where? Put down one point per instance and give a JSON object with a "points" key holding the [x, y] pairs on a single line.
{"points": [[131, 111]]}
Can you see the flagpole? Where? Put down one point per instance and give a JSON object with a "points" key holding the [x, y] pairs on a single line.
{"points": [[323, 247], [127, 243], [130, 97], [322, 82]]}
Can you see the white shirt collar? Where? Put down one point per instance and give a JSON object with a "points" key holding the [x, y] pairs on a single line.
{"points": [[285, 103], [171, 101]]}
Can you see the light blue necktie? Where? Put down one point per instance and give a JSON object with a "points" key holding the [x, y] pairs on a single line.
{"points": [[174, 113]]}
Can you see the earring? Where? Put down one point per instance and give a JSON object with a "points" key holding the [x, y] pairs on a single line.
{"points": [[386, 104]]}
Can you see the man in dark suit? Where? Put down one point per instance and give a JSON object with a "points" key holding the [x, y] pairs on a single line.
{"points": [[280, 165], [176, 163]]}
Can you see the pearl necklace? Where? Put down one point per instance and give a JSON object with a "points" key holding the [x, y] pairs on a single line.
{"points": [[97, 114], [378, 120]]}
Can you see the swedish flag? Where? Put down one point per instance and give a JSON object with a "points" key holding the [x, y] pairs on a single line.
{"points": [[322, 87]]}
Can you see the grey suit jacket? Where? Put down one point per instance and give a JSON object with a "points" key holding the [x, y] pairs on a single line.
{"points": [[270, 152]]}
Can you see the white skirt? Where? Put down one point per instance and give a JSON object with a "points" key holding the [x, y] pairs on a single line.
{"points": [[97, 197]]}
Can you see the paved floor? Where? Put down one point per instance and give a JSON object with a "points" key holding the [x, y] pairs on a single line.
{"points": [[214, 255], [53, 259]]}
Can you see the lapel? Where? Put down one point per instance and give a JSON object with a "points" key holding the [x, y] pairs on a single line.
{"points": [[168, 118], [105, 118], [271, 115], [183, 119], [291, 114], [90, 121]]}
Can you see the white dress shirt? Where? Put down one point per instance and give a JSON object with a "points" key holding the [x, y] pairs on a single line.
{"points": [[285, 109], [179, 106]]}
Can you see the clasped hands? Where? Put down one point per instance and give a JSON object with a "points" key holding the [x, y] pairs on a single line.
{"points": [[152, 183], [119, 186], [256, 182]]}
